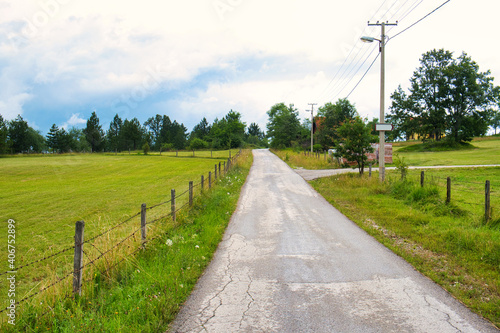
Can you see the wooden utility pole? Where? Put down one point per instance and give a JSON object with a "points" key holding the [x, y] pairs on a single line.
{"points": [[382, 42], [312, 124]]}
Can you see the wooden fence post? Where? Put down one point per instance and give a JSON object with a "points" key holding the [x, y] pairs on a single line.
{"points": [[422, 177], [448, 190], [172, 203], [202, 183], [370, 170], [210, 179], [225, 170], [176, 153], [220, 174], [190, 193], [143, 223], [215, 174], [77, 263], [487, 208]]}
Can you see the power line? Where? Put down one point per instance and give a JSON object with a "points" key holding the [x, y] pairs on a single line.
{"points": [[345, 74], [378, 54], [399, 33]]}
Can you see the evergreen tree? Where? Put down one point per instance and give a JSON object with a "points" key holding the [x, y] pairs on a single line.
{"points": [[19, 135], [114, 136], [52, 138], [3, 136], [94, 133]]}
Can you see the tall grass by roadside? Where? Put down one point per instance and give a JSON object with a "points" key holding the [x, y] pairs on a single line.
{"points": [[307, 161], [450, 243], [144, 293]]}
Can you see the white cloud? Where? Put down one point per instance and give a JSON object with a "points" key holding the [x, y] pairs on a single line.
{"points": [[74, 120], [78, 54], [11, 106]]}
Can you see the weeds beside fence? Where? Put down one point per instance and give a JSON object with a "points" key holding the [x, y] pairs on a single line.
{"points": [[459, 194], [98, 255]]}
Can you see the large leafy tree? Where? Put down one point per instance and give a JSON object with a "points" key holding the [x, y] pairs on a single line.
{"points": [[354, 142], [94, 133], [78, 140], [330, 117], [470, 99], [153, 129], [283, 126], [447, 96], [228, 132]]}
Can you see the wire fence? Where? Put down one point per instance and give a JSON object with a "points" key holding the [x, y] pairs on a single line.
{"points": [[88, 253], [478, 198]]}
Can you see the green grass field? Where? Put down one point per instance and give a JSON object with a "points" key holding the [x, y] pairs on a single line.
{"points": [[46, 195], [145, 292], [486, 151]]}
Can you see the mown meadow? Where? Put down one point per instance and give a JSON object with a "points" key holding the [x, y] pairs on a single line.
{"points": [[46, 195]]}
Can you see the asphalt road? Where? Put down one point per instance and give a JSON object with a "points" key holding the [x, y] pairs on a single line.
{"points": [[290, 262]]}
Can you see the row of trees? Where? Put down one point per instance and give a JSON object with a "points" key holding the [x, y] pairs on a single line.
{"points": [[448, 97], [337, 125], [158, 133]]}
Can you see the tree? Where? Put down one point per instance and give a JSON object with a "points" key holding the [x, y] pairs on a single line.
{"points": [[153, 128], [255, 135], [406, 123], [63, 140], [283, 125], [94, 133], [330, 117], [52, 137], [78, 140], [114, 136], [470, 99], [197, 144], [495, 121], [354, 142], [133, 133], [178, 135], [228, 132], [447, 96], [4, 132], [18, 135], [201, 130]]}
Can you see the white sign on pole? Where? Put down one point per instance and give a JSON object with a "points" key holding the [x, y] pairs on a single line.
{"points": [[384, 127]]}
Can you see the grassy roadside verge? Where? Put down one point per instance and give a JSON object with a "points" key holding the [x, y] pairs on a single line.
{"points": [[450, 244], [146, 291]]}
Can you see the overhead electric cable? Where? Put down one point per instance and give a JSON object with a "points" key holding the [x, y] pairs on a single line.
{"points": [[399, 33], [357, 84]]}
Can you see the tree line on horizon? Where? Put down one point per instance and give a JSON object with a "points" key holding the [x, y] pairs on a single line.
{"points": [[448, 98], [158, 133]]}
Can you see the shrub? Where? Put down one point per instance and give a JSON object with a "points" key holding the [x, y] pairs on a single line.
{"points": [[146, 148]]}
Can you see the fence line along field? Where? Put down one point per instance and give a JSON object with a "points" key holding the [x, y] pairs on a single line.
{"points": [[46, 195]]}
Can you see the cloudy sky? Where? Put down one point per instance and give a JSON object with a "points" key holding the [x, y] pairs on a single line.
{"points": [[62, 59]]}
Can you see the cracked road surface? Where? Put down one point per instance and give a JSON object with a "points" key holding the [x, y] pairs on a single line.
{"points": [[290, 262]]}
